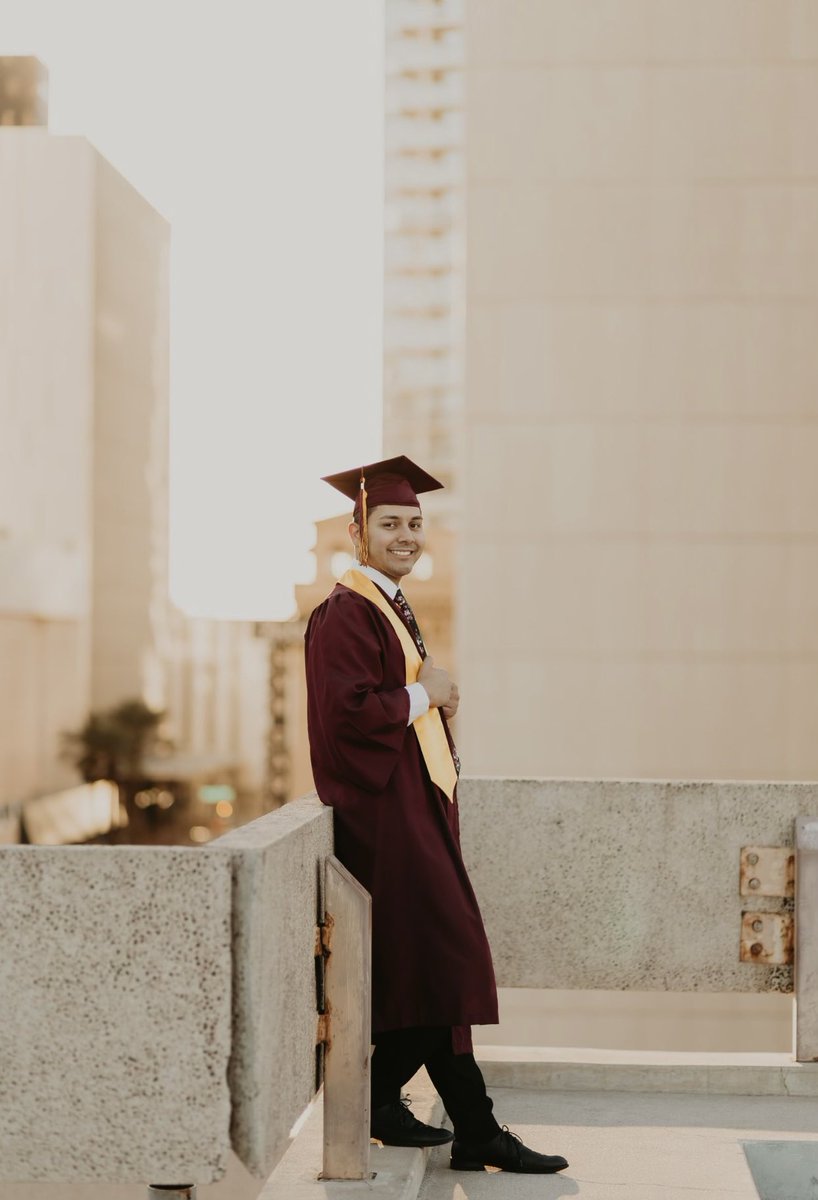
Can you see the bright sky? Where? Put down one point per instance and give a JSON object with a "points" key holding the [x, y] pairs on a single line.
{"points": [[256, 128]]}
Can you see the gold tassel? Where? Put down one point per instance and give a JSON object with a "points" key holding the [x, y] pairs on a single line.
{"points": [[364, 525]]}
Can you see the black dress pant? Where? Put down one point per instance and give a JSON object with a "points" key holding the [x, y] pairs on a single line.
{"points": [[459, 1081]]}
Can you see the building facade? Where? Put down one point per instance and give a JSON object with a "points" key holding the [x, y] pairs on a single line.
{"points": [[640, 501], [424, 280], [46, 494], [85, 617]]}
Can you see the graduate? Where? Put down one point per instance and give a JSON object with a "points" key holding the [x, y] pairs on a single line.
{"points": [[384, 760]]}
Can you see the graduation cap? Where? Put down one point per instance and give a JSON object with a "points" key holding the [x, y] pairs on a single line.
{"points": [[391, 481]]}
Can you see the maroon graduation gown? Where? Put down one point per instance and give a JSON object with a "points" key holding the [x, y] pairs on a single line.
{"points": [[394, 829]]}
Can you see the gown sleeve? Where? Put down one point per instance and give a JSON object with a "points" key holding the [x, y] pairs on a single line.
{"points": [[357, 725]]}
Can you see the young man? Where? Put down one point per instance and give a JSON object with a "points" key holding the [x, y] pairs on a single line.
{"points": [[383, 758]]}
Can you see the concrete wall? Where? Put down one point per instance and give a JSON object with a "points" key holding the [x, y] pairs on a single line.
{"points": [[277, 861], [640, 518], [115, 995], [121, 966], [159, 1003], [623, 885]]}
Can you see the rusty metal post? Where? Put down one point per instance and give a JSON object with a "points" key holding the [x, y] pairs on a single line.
{"points": [[806, 939], [348, 991]]}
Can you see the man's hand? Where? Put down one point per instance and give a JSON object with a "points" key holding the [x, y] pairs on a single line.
{"points": [[437, 683], [449, 709]]}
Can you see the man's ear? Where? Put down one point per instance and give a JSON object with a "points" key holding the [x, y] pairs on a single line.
{"points": [[354, 533]]}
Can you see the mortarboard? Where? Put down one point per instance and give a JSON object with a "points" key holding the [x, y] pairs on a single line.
{"points": [[391, 481]]}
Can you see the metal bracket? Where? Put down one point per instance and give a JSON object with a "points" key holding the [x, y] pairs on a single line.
{"points": [[767, 938], [767, 871], [323, 1030], [323, 1025], [323, 936]]}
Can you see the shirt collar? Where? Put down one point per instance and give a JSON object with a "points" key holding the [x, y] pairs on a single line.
{"points": [[383, 581]]}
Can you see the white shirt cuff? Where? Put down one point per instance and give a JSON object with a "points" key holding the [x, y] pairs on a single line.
{"points": [[418, 701]]}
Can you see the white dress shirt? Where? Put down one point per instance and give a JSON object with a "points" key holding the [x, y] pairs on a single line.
{"points": [[418, 696]]}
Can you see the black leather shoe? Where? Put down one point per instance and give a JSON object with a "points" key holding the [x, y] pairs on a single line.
{"points": [[395, 1125], [505, 1152]]}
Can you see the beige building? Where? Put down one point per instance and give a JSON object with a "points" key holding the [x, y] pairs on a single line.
{"points": [[639, 543], [85, 617]]}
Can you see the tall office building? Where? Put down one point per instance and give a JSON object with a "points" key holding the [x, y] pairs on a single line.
{"points": [[85, 617], [639, 578], [424, 238]]}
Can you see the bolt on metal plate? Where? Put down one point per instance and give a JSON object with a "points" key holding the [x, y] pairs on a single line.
{"points": [[767, 871], [766, 938]]}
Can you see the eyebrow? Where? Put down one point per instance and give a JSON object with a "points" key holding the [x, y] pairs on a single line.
{"points": [[395, 517]]}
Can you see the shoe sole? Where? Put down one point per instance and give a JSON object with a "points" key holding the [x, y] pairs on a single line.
{"points": [[469, 1166], [412, 1145], [478, 1166]]}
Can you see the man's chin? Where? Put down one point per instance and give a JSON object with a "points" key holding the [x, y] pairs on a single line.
{"points": [[399, 566]]}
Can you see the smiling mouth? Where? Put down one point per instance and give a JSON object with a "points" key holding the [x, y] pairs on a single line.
{"points": [[403, 553]]}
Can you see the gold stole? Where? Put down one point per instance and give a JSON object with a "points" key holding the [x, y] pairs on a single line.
{"points": [[429, 727]]}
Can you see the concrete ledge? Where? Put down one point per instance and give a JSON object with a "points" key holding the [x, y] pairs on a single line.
{"points": [[628, 885], [277, 863], [397, 1173], [576, 1070]]}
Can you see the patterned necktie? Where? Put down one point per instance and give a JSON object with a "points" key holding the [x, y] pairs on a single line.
{"points": [[402, 605]]}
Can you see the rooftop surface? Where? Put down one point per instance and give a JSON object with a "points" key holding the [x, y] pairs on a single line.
{"points": [[639, 1145], [644, 1147]]}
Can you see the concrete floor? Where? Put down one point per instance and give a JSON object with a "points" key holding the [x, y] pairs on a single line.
{"points": [[633, 1146], [620, 1146]]}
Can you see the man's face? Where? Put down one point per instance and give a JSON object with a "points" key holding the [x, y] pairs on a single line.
{"points": [[396, 539]]}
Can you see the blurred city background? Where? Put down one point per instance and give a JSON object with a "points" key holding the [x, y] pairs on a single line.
{"points": [[585, 297]]}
